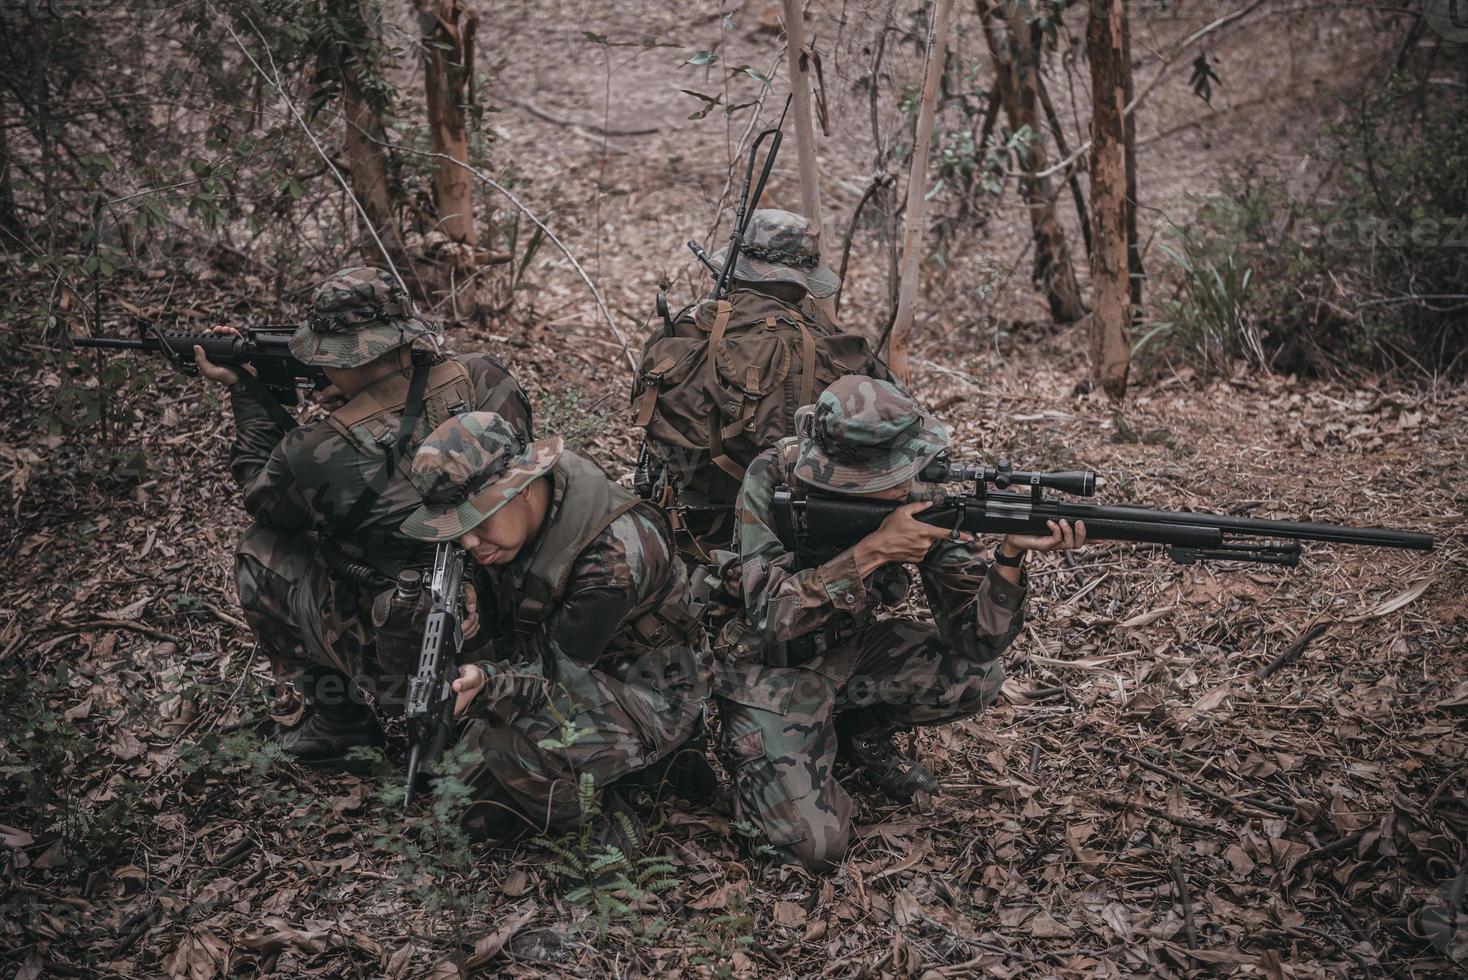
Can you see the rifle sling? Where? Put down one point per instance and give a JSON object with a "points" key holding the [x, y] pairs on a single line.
{"points": [[412, 413], [283, 419]]}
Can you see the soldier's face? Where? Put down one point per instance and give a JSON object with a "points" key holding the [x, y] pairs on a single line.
{"points": [[498, 540]]}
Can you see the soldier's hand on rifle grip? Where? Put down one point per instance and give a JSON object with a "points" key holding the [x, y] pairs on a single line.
{"points": [[212, 371], [470, 682], [902, 539]]}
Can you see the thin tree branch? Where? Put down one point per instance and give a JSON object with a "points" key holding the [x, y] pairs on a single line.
{"points": [[523, 209], [279, 87]]}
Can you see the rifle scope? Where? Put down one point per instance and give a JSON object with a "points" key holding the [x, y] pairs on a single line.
{"points": [[1078, 483]]}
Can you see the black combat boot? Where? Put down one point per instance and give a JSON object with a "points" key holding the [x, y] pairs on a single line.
{"points": [[871, 746], [334, 723]]}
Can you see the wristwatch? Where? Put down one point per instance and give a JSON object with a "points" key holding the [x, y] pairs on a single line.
{"points": [[1007, 561]]}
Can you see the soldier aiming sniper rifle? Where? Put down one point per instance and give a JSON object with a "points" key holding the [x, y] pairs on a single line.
{"points": [[826, 524]]}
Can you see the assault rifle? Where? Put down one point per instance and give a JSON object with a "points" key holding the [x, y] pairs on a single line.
{"points": [[826, 524], [748, 203], [264, 348], [430, 705]]}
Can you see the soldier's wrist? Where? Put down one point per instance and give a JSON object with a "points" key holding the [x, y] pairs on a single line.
{"points": [[1010, 550]]}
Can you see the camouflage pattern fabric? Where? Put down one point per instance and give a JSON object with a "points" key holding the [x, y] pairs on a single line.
{"points": [[781, 246], [864, 435], [309, 478], [778, 726], [357, 315], [778, 740], [301, 616], [573, 681], [468, 468], [297, 485]]}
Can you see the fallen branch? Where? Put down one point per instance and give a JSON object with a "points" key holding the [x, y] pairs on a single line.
{"points": [[1260, 808], [1293, 651], [120, 624]]}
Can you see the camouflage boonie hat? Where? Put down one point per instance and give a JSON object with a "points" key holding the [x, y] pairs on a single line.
{"points": [[468, 468], [781, 246], [864, 435], [356, 315]]}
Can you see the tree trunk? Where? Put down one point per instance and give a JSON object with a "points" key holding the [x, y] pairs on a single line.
{"points": [[805, 136], [365, 147], [1016, 54], [1133, 246], [447, 28], [1110, 348], [917, 191], [9, 216]]}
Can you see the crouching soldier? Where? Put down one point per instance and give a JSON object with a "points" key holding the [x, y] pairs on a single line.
{"points": [[315, 569], [815, 675], [594, 664]]}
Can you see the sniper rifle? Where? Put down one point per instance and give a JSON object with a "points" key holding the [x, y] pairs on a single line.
{"points": [[824, 524]]}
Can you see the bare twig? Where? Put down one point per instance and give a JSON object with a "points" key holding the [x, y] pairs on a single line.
{"points": [[1293, 651], [880, 180], [554, 239], [279, 87], [1180, 892]]}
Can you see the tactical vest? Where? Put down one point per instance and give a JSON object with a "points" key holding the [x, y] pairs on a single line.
{"points": [[589, 505], [370, 420]]}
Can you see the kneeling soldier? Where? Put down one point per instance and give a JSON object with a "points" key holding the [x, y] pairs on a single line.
{"points": [[597, 665], [328, 498], [813, 674]]}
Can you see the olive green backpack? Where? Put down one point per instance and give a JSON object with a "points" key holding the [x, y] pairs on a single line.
{"points": [[719, 384]]}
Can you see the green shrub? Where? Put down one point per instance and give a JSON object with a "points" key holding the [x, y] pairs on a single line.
{"points": [[1367, 274]]}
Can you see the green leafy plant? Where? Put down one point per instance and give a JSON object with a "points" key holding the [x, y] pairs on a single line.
{"points": [[601, 876], [568, 414]]}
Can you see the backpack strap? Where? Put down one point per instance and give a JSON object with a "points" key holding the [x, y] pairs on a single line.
{"points": [[647, 399], [807, 363], [717, 453], [722, 313], [412, 413]]}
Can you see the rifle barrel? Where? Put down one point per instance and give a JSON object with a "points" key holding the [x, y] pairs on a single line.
{"points": [[1229, 524], [113, 343]]}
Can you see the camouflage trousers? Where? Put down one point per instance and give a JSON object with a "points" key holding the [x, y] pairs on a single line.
{"points": [[779, 725], [302, 616], [526, 770]]}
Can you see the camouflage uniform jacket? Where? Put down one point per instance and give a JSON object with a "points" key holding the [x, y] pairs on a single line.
{"points": [[977, 611], [308, 478], [625, 568]]}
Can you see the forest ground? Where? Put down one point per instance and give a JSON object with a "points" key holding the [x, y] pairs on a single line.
{"points": [[1326, 817]]}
